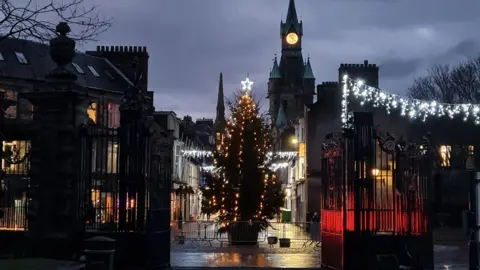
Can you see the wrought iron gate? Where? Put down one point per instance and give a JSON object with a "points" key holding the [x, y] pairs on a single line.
{"points": [[127, 194], [375, 194]]}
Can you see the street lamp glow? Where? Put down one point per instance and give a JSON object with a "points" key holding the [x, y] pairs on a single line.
{"points": [[294, 140]]}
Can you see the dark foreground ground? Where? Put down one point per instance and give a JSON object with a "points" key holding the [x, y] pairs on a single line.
{"points": [[451, 252]]}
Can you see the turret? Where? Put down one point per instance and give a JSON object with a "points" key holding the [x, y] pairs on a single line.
{"points": [[367, 72], [327, 91], [275, 77], [308, 83], [274, 85]]}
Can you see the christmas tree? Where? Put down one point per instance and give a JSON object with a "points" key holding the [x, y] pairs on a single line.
{"points": [[243, 188]]}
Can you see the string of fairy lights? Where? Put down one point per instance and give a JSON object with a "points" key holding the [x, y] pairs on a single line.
{"points": [[240, 115], [283, 157], [409, 107]]}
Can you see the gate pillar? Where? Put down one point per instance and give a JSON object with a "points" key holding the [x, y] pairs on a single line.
{"points": [[54, 221], [158, 221]]}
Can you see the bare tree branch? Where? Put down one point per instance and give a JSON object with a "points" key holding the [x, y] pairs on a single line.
{"points": [[460, 84], [30, 20]]}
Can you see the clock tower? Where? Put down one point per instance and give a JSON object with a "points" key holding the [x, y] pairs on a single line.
{"points": [[291, 84]]}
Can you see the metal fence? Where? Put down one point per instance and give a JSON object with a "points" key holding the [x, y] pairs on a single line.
{"points": [[14, 180], [99, 177], [111, 204], [300, 234]]}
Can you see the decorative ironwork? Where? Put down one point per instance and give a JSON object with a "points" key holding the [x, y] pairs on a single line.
{"points": [[374, 184], [11, 155], [386, 140], [332, 141], [62, 52], [134, 98]]}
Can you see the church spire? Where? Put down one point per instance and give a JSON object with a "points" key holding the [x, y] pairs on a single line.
{"points": [[220, 118], [291, 21], [291, 13]]}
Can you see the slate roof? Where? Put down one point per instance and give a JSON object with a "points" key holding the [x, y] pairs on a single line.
{"points": [[40, 64], [275, 72], [308, 74]]}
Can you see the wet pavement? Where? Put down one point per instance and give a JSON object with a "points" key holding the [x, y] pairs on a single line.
{"points": [[446, 257], [451, 252], [245, 260]]}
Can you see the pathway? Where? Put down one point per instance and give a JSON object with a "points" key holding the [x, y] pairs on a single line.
{"points": [[450, 253]]}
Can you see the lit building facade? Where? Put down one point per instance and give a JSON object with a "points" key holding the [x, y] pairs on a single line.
{"points": [[105, 74], [299, 184]]}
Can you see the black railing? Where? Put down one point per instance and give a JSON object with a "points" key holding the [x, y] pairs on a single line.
{"points": [[114, 197], [14, 180]]}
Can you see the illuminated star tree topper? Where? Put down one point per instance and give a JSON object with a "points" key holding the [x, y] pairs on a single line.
{"points": [[247, 85]]}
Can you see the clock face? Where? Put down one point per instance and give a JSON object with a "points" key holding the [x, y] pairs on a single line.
{"points": [[292, 38]]}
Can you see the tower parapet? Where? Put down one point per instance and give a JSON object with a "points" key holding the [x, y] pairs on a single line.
{"points": [[366, 71]]}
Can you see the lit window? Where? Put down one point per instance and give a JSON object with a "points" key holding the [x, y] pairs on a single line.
{"points": [[94, 72], [1, 57], [78, 68], [112, 157], [445, 155], [21, 58], [470, 150], [92, 112], [113, 115], [11, 111], [15, 157]]}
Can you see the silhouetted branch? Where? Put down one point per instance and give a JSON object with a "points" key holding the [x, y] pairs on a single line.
{"points": [[460, 84], [30, 20]]}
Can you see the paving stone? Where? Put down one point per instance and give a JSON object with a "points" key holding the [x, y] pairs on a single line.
{"points": [[451, 251]]}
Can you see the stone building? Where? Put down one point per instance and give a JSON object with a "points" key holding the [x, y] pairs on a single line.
{"points": [[450, 179], [291, 84], [105, 75]]}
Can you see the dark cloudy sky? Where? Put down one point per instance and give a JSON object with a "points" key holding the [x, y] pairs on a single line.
{"points": [[191, 41]]}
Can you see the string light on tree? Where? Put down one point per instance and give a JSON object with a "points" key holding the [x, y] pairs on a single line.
{"points": [[241, 183], [412, 108]]}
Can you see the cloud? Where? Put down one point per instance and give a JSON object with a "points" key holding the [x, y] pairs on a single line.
{"points": [[191, 42], [399, 68]]}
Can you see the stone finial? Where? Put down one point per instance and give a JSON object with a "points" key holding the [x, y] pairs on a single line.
{"points": [[62, 52]]}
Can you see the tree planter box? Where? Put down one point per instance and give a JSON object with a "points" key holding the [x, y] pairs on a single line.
{"points": [[272, 240], [284, 242], [243, 236]]}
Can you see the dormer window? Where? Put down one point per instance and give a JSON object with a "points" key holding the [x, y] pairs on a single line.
{"points": [[78, 68], [94, 72], [21, 58]]}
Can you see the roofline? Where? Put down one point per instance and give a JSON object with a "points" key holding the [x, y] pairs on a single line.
{"points": [[118, 71], [8, 80]]}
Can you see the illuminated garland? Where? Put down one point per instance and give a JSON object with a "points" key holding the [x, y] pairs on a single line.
{"points": [[197, 153], [203, 153], [412, 108]]}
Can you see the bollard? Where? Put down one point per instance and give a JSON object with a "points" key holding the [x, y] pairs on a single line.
{"points": [[99, 253]]}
